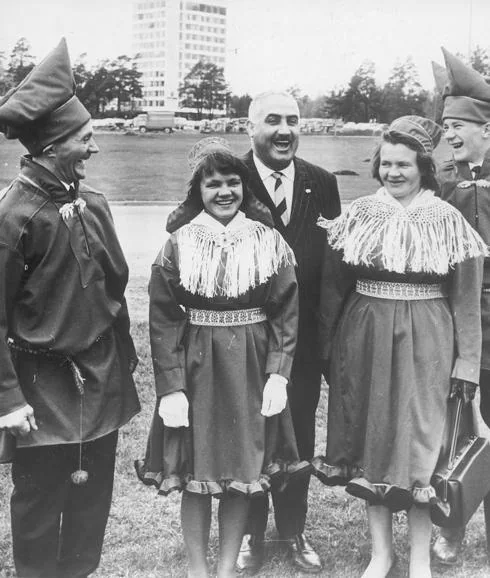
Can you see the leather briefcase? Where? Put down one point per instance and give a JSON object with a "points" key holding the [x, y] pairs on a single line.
{"points": [[462, 478], [7, 446]]}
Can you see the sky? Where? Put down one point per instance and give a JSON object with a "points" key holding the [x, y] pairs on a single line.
{"points": [[314, 44]]}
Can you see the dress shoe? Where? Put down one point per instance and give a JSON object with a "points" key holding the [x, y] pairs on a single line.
{"points": [[304, 556], [251, 555], [447, 551]]}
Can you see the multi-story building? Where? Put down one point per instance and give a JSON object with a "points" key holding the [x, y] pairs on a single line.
{"points": [[170, 37]]}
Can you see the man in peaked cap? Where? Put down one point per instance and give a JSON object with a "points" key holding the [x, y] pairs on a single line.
{"points": [[66, 355], [465, 183]]}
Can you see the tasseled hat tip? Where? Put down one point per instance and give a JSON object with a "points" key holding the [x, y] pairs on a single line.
{"points": [[440, 77], [43, 107]]}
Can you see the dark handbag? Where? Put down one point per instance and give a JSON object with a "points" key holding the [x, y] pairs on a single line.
{"points": [[7, 446], [462, 478]]}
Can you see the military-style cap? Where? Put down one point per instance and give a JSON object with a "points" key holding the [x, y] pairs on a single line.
{"points": [[466, 93], [43, 108], [421, 130]]}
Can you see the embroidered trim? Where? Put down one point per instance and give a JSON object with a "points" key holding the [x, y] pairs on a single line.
{"points": [[68, 209], [229, 263], [400, 291], [479, 183], [232, 318], [429, 238]]}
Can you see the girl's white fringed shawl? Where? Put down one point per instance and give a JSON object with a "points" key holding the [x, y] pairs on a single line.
{"points": [[428, 236], [229, 262]]}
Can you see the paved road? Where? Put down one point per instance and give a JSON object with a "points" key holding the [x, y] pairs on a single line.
{"points": [[141, 230]]}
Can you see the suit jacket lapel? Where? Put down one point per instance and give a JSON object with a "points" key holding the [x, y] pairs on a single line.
{"points": [[258, 188], [301, 202]]}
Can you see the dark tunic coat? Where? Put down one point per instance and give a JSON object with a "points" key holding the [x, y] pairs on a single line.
{"points": [[474, 202], [62, 285]]}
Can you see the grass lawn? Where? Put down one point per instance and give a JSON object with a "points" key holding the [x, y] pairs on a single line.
{"points": [[143, 538], [153, 168]]}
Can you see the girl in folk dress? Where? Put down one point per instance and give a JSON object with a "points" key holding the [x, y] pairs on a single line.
{"points": [[223, 323], [400, 323]]}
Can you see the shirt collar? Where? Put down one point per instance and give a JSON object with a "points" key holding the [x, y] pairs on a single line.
{"points": [[265, 171], [66, 185]]}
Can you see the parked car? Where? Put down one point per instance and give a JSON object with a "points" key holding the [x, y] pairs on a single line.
{"points": [[108, 123], [155, 120]]}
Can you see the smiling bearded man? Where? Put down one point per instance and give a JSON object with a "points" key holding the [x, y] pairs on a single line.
{"points": [[66, 355], [297, 193]]}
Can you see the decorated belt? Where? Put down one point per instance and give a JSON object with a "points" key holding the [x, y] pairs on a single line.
{"points": [[234, 317], [75, 370], [401, 291]]}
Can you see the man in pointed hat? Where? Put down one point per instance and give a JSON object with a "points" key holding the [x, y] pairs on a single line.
{"points": [[66, 355], [465, 183]]}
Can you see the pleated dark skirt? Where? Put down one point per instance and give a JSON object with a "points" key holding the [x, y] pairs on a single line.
{"points": [[229, 446], [389, 386]]}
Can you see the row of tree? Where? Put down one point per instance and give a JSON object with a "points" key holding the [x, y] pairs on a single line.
{"points": [[110, 81], [362, 100], [205, 88]]}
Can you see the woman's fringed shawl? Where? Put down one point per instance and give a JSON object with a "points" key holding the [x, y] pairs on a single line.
{"points": [[230, 261], [428, 236]]}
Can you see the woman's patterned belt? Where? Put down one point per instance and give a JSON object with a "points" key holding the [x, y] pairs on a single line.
{"points": [[233, 317], [401, 291]]}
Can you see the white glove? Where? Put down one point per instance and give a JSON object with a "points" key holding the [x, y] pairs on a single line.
{"points": [[275, 396], [174, 409], [19, 422]]}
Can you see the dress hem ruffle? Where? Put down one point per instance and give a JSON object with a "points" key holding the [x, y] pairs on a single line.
{"points": [[278, 474], [338, 475], [393, 497]]}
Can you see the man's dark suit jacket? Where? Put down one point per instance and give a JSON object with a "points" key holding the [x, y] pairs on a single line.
{"points": [[315, 193]]}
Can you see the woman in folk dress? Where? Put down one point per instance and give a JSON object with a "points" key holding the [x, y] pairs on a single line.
{"points": [[400, 324], [223, 323]]}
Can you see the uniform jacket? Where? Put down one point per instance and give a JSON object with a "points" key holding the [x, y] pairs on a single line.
{"points": [[472, 198], [62, 285], [315, 194]]}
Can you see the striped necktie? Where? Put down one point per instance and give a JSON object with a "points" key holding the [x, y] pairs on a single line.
{"points": [[280, 197]]}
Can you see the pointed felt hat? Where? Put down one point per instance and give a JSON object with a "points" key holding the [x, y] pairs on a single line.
{"points": [[467, 94], [43, 108], [440, 77]]}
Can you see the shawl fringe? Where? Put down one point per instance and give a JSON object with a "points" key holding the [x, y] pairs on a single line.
{"points": [[431, 238], [229, 263]]}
